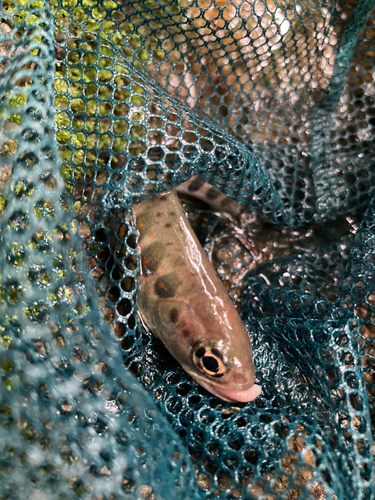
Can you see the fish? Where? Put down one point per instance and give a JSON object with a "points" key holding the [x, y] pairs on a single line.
{"points": [[196, 187], [182, 301]]}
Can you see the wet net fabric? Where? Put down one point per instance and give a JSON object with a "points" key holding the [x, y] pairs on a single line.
{"points": [[104, 104]]}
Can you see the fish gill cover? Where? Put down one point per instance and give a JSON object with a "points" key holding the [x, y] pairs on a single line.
{"points": [[105, 103]]}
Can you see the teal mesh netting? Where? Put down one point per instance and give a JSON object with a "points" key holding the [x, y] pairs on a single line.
{"points": [[105, 103]]}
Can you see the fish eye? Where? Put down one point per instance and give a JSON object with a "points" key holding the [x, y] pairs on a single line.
{"points": [[210, 361]]}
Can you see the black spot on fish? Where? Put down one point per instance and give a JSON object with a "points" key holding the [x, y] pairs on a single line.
{"points": [[166, 286], [216, 353], [151, 257], [172, 214], [186, 333], [173, 315], [226, 202], [196, 184], [212, 194], [168, 225], [200, 352], [158, 214], [186, 198], [143, 225]]}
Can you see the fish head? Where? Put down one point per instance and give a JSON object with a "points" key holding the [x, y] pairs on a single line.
{"points": [[215, 352]]}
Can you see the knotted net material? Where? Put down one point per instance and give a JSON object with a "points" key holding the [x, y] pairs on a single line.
{"points": [[106, 103]]}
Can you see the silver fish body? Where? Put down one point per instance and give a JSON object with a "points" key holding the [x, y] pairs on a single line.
{"points": [[183, 302]]}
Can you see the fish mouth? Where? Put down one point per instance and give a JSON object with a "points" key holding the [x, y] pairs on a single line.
{"points": [[229, 394], [232, 395]]}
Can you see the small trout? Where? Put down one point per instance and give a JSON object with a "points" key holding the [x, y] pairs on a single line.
{"points": [[182, 301]]}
